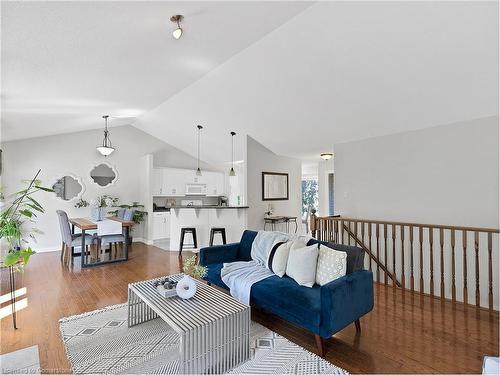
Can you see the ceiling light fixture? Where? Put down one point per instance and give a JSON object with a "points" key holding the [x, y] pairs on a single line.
{"points": [[232, 173], [106, 148], [198, 170], [326, 155], [177, 33]]}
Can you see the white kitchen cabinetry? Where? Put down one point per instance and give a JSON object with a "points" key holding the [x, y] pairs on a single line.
{"points": [[161, 225], [156, 181], [172, 181]]}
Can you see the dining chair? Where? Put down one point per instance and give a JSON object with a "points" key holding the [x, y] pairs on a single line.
{"points": [[110, 232], [70, 240]]}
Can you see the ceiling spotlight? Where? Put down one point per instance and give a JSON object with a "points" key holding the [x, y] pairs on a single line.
{"points": [[326, 155], [177, 33]]}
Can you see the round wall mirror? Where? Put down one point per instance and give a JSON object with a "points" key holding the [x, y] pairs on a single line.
{"points": [[103, 175], [67, 188]]}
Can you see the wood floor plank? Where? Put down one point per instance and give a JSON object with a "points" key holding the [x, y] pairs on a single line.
{"points": [[405, 332]]}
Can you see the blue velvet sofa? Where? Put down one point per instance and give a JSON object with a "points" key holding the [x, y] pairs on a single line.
{"points": [[322, 310]]}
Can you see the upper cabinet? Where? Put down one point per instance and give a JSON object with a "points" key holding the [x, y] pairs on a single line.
{"points": [[172, 181], [156, 181]]}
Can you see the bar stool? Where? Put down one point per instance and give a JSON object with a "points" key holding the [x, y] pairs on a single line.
{"points": [[221, 231], [185, 230]]}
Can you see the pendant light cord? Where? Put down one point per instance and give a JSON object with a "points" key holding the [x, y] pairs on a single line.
{"points": [[199, 132]]}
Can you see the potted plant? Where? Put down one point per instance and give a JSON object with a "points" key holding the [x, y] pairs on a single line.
{"points": [[186, 287], [21, 210], [138, 213]]}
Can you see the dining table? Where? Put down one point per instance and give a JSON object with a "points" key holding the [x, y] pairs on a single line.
{"points": [[87, 224]]}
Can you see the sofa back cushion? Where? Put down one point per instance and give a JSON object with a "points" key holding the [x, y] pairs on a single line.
{"points": [[245, 248], [355, 255]]}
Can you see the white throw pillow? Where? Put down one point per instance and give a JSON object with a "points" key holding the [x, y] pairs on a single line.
{"points": [[278, 256], [301, 265], [332, 264]]}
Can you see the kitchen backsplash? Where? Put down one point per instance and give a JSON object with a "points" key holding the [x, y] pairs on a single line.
{"points": [[177, 201]]}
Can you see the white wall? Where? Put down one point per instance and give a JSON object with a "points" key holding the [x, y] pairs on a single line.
{"points": [[443, 175], [260, 159], [324, 168], [75, 153]]}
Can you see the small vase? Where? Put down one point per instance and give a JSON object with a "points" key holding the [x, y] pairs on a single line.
{"points": [[186, 287], [97, 213]]}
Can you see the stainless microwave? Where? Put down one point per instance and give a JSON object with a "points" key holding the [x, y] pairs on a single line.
{"points": [[196, 189]]}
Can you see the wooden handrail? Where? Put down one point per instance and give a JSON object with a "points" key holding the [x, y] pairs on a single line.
{"points": [[444, 261], [362, 245], [398, 223]]}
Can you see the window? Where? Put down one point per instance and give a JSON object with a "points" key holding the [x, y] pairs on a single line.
{"points": [[331, 207], [309, 194]]}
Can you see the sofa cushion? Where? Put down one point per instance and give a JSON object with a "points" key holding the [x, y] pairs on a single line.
{"points": [[245, 248], [355, 256], [284, 297], [213, 274], [331, 265], [278, 257], [302, 264]]}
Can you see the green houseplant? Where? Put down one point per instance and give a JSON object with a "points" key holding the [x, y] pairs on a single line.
{"points": [[139, 214], [14, 217]]}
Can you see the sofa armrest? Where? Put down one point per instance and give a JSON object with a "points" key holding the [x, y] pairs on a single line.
{"points": [[219, 254], [345, 300]]}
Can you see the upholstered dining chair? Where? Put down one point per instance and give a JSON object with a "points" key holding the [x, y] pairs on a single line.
{"points": [[70, 240], [110, 232]]}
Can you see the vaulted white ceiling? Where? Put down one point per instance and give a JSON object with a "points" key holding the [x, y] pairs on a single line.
{"points": [[343, 71], [297, 77], [64, 64]]}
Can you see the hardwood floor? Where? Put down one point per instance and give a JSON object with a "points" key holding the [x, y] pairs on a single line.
{"points": [[403, 334]]}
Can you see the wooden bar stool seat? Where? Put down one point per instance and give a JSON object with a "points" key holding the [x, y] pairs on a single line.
{"points": [[221, 231]]}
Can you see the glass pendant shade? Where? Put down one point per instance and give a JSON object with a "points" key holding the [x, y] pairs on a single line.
{"points": [[105, 150], [177, 33], [232, 173], [198, 171]]}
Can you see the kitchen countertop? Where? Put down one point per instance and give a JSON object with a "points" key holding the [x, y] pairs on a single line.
{"points": [[210, 206]]}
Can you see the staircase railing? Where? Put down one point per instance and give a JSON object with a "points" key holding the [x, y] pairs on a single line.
{"points": [[444, 261]]}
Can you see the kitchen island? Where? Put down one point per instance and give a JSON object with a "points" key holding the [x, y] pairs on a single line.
{"points": [[203, 218]]}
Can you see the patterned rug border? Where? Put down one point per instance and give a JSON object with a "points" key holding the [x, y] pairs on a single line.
{"points": [[65, 319], [121, 305]]}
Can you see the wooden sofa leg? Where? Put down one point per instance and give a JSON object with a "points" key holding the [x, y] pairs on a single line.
{"points": [[320, 345], [358, 325]]}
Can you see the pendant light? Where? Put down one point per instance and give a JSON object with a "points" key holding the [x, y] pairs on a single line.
{"points": [[198, 170], [232, 173], [177, 33], [106, 148]]}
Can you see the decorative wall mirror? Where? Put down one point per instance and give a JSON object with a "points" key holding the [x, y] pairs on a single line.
{"points": [[103, 175], [68, 187], [274, 186]]}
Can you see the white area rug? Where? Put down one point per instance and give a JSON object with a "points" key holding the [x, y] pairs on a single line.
{"points": [[100, 342], [23, 361]]}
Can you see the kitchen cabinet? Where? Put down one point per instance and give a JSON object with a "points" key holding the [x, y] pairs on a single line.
{"points": [[172, 181], [156, 181], [161, 225]]}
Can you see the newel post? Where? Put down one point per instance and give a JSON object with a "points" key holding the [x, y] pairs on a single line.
{"points": [[313, 223]]}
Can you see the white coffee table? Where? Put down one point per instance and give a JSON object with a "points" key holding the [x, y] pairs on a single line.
{"points": [[214, 328]]}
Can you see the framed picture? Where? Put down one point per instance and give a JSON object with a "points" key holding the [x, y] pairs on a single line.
{"points": [[274, 186]]}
